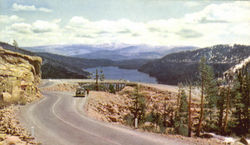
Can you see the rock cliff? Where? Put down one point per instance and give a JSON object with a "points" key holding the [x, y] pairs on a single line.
{"points": [[19, 76]]}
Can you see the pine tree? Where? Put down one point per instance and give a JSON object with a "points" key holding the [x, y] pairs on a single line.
{"points": [[211, 96], [181, 119], [228, 100], [99, 75], [241, 98], [15, 44], [203, 75], [138, 109], [180, 87], [189, 111], [156, 116], [96, 79], [221, 107], [165, 111]]}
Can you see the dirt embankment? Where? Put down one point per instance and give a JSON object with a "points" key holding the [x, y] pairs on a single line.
{"points": [[19, 76], [114, 108]]}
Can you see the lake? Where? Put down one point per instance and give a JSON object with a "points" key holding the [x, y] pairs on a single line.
{"points": [[115, 73]]}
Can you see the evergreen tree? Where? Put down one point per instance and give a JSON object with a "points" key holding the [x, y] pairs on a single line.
{"points": [[203, 75], [189, 111], [211, 96], [228, 100], [138, 109], [181, 119], [111, 88], [221, 107], [156, 116], [240, 96], [15, 44], [99, 75], [180, 87]]}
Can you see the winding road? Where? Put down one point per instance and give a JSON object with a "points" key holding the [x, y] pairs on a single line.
{"points": [[58, 119]]}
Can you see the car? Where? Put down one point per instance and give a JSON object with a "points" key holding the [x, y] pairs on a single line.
{"points": [[80, 92]]}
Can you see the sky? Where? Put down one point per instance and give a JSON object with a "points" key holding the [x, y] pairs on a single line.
{"points": [[151, 22]]}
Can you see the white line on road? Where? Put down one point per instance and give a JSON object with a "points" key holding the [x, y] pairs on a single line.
{"points": [[72, 125], [35, 122]]}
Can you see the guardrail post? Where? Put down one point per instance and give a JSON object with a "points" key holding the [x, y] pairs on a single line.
{"points": [[33, 131], [136, 122]]}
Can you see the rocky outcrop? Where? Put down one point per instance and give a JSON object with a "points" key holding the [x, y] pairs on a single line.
{"points": [[19, 76]]}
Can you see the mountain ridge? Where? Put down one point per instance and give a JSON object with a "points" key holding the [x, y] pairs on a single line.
{"points": [[183, 66], [114, 52]]}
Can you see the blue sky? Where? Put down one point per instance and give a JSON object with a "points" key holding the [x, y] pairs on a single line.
{"points": [[151, 22]]}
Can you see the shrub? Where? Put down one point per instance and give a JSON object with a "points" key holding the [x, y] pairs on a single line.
{"points": [[129, 119]]}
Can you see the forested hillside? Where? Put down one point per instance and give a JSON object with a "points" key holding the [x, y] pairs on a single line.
{"points": [[183, 66]]}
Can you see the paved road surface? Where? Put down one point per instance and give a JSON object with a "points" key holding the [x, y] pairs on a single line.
{"points": [[57, 121]]}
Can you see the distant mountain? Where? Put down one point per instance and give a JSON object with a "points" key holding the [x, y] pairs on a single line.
{"points": [[59, 66], [111, 51], [134, 52], [67, 50], [183, 66]]}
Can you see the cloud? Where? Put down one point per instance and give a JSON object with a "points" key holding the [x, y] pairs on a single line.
{"points": [[215, 24], [124, 31], [5, 19], [45, 10], [40, 26], [188, 33], [19, 7], [238, 11], [21, 27], [37, 27], [192, 4], [78, 21]]}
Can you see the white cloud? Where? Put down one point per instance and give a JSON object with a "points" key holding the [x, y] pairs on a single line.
{"points": [[192, 3], [40, 26], [215, 24], [21, 27], [5, 19], [227, 12], [19, 7], [45, 10], [78, 21]]}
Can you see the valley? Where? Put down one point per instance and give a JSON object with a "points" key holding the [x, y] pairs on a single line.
{"points": [[116, 73], [124, 72], [117, 107]]}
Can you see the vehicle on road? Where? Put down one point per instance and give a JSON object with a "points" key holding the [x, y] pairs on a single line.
{"points": [[80, 92]]}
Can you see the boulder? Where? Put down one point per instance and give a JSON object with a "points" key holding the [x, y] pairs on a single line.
{"points": [[244, 141], [2, 137], [113, 119], [13, 140], [6, 97], [206, 135]]}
